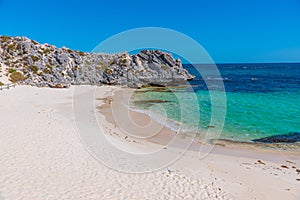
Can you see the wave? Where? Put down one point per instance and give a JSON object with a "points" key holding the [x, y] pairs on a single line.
{"points": [[225, 79], [159, 118]]}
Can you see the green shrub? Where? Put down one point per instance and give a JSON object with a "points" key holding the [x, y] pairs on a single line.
{"points": [[5, 38], [33, 68], [101, 65], [11, 47], [25, 59], [16, 77], [35, 58], [111, 62], [34, 42], [47, 71], [11, 70], [46, 51], [108, 71], [81, 53], [18, 46], [50, 61]]}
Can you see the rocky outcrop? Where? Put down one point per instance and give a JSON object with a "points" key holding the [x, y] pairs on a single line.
{"points": [[283, 138], [46, 65]]}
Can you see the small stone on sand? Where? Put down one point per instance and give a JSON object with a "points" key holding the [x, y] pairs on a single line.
{"points": [[260, 162]]}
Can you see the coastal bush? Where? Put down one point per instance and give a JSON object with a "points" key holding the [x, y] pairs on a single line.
{"points": [[47, 71], [33, 68], [25, 59], [35, 58], [11, 70], [111, 62], [81, 53], [34, 42], [108, 71], [123, 62], [50, 61], [18, 46], [99, 67], [16, 77], [75, 68], [102, 65], [5, 38], [46, 51], [11, 47]]}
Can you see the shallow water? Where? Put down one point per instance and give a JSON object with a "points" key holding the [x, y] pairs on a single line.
{"points": [[261, 100]]}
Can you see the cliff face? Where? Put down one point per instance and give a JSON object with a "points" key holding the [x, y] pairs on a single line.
{"points": [[26, 61]]}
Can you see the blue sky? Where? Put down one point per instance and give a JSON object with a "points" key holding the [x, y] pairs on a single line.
{"points": [[230, 31]]}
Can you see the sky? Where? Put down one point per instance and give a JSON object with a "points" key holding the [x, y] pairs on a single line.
{"points": [[231, 31]]}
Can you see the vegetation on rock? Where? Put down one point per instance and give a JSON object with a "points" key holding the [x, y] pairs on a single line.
{"points": [[45, 65]]}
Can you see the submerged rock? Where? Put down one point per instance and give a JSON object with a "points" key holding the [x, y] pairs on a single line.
{"points": [[45, 65], [151, 101], [283, 138]]}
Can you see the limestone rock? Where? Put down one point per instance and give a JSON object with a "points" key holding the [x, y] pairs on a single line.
{"points": [[44, 65]]}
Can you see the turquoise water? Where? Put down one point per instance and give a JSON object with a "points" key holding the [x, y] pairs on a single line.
{"points": [[266, 108]]}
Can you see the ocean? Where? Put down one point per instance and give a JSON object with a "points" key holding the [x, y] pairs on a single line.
{"points": [[261, 100]]}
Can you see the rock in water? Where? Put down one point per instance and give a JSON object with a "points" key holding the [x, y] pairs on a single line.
{"points": [[284, 138], [46, 65]]}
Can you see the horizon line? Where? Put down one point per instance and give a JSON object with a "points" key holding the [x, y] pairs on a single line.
{"points": [[224, 63]]}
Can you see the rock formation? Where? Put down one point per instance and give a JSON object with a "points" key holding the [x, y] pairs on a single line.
{"points": [[27, 62], [282, 138]]}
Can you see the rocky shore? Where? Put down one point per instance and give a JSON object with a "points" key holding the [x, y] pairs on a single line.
{"points": [[26, 61]]}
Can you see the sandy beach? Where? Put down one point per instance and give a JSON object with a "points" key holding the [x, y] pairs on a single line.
{"points": [[42, 156]]}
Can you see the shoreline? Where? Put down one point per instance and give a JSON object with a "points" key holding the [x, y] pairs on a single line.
{"points": [[136, 113]]}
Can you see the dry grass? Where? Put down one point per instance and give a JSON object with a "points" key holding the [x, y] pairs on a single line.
{"points": [[16, 77]]}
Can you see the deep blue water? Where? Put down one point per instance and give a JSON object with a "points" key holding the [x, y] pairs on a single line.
{"points": [[251, 78]]}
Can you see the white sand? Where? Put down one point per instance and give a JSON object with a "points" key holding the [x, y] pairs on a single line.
{"points": [[3, 79], [42, 157]]}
